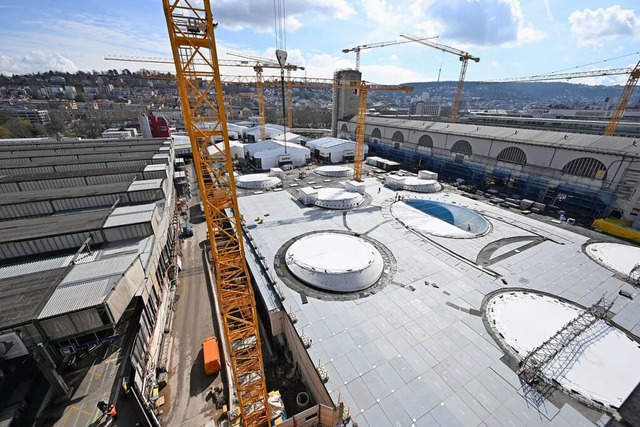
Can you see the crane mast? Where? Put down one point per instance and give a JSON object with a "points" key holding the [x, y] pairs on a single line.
{"points": [[289, 68], [191, 33], [624, 99], [464, 58]]}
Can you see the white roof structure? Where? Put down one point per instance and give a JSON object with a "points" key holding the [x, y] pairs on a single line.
{"points": [[237, 148], [601, 364], [274, 148], [232, 127], [127, 215], [615, 256], [329, 142], [335, 171], [257, 181], [291, 137], [271, 131], [335, 262]]}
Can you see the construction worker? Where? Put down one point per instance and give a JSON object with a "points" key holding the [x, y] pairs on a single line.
{"points": [[113, 414]]}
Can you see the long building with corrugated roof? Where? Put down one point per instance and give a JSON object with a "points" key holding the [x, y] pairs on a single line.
{"points": [[88, 234]]}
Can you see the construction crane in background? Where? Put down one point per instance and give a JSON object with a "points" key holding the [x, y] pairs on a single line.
{"points": [[464, 58], [362, 87], [191, 34], [564, 76], [624, 100], [258, 66], [289, 68], [618, 112], [358, 48]]}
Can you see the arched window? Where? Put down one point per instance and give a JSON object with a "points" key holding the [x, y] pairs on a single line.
{"points": [[587, 167], [376, 133], [398, 137], [513, 155], [344, 128], [425, 141], [462, 147]]}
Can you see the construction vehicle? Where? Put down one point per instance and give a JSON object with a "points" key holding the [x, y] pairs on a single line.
{"points": [[464, 58], [211, 356], [357, 49], [201, 97]]}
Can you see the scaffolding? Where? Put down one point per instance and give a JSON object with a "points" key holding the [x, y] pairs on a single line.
{"points": [[534, 363]]}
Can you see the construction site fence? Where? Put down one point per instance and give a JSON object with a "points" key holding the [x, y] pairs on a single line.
{"points": [[317, 416]]}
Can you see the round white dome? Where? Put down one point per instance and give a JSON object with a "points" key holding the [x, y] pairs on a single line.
{"points": [[257, 181], [338, 198], [337, 171], [335, 262]]}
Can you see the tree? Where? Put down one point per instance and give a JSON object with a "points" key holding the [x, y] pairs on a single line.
{"points": [[4, 132], [20, 128], [80, 97], [55, 125]]}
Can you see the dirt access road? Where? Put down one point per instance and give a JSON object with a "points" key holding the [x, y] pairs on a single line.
{"points": [[187, 397]]}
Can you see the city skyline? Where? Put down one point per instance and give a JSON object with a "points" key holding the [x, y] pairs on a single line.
{"points": [[513, 38]]}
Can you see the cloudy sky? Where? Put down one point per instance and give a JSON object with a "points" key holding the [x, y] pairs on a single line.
{"points": [[513, 38]]}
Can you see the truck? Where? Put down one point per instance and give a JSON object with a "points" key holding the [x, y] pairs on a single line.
{"points": [[211, 354]]}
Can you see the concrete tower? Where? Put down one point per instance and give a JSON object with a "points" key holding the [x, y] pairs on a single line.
{"points": [[345, 101]]}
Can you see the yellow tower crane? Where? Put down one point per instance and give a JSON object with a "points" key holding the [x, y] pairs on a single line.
{"points": [[289, 68], [258, 66], [624, 99], [361, 86], [358, 48], [634, 75], [464, 58], [191, 34]]}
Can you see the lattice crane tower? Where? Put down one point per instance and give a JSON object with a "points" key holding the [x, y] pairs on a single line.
{"points": [[191, 33]]}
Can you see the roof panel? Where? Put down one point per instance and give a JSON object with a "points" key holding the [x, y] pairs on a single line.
{"points": [[127, 215], [107, 267], [147, 184], [77, 296], [43, 265], [22, 297]]}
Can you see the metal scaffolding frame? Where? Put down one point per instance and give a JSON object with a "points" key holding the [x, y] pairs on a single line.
{"points": [[533, 364]]}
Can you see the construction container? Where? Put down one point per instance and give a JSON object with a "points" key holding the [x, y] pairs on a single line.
{"points": [[211, 355]]}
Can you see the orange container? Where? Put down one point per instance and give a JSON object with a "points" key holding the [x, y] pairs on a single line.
{"points": [[211, 355]]}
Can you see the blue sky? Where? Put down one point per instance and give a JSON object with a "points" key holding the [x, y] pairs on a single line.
{"points": [[512, 37]]}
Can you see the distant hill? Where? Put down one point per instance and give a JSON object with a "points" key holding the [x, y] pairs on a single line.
{"points": [[521, 91]]}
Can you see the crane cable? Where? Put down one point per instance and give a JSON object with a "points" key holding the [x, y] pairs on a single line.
{"points": [[280, 15], [594, 63]]}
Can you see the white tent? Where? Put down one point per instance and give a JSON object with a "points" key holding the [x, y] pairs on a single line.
{"points": [[237, 149], [265, 155], [333, 150]]}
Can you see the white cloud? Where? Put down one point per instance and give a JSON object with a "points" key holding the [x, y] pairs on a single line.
{"points": [[258, 15], [36, 61], [483, 22], [591, 27]]}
